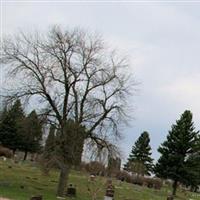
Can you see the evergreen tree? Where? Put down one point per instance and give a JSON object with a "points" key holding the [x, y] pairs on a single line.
{"points": [[192, 166], [140, 160], [11, 126], [32, 134], [50, 144], [49, 155], [3, 114], [3, 120], [72, 143], [181, 142]]}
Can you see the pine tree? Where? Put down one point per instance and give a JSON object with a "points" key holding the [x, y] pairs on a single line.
{"points": [[140, 160], [32, 134], [192, 166], [50, 144], [72, 143], [49, 153], [3, 125], [181, 142], [11, 126]]}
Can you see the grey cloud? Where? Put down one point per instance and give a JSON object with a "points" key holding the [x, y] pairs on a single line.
{"points": [[162, 42]]}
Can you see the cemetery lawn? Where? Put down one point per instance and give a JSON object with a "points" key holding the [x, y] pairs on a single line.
{"points": [[21, 181]]}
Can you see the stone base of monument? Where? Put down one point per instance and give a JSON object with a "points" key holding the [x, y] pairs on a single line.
{"points": [[71, 191], [109, 191], [170, 197], [108, 198]]}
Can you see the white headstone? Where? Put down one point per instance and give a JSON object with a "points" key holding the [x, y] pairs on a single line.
{"points": [[108, 198]]}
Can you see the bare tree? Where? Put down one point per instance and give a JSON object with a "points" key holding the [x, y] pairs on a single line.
{"points": [[71, 75]]}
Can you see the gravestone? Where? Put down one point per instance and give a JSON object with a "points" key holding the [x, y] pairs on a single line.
{"points": [[92, 177], [109, 191], [22, 186], [108, 198], [71, 191], [39, 197], [170, 197]]}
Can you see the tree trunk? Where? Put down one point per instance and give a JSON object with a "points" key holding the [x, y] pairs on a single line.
{"points": [[174, 186], [62, 183], [25, 155], [14, 151]]}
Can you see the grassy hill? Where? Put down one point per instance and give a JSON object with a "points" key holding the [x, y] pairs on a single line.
{"points": [[21, 181]]}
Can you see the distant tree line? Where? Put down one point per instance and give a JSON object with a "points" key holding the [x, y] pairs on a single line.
{"points": [[19, 131]]}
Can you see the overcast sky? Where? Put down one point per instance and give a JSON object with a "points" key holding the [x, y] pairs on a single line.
{"points": [[162, 41]]}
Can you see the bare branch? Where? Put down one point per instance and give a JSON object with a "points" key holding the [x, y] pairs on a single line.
{"points": [[73, 76]]}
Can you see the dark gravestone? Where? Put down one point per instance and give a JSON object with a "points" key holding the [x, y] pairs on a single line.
{"points": [[39, 197], [170, 197], [71, 191], [110, 191], [22, 186]]}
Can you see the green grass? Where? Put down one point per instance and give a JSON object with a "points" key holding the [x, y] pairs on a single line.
{"points": [[24, 180]]}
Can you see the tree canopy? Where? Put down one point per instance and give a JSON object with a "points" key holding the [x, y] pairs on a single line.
{"points": [[181, 142], [140, 160], [32, 134], [11, 126]]}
